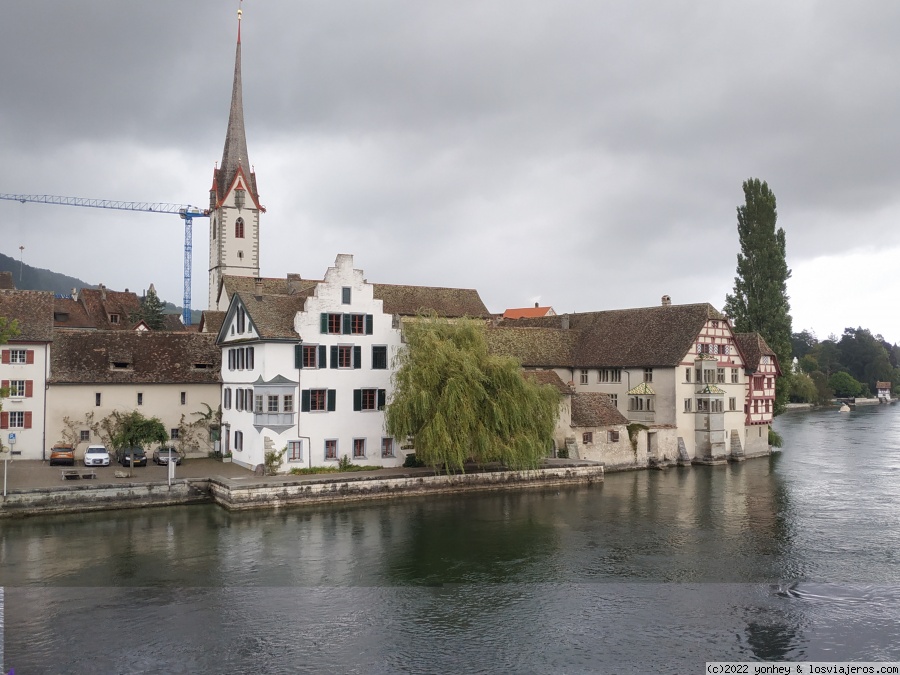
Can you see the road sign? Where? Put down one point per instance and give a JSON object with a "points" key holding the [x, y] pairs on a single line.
{"points": [[12, 439]]}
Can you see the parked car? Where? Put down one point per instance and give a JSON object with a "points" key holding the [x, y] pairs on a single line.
{"points": [[164, 454], [96, 455], [123, 456], [61, 453]]}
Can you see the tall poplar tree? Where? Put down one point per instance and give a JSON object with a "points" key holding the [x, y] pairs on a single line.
{"points": [[759, 303]]}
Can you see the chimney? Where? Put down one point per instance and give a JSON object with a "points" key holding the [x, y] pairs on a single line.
{"points": [[102, 292], [75, 294], [535, 305], [666, 301], [258, 288], [564, 322]]}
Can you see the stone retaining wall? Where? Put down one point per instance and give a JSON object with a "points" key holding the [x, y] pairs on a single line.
{"points": [[71, 498], [234, 495]]}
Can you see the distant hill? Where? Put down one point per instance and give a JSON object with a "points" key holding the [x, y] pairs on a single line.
{"points": [[28, 278]]}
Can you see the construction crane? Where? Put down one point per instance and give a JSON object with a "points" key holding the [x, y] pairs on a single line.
{"points": [[187, 213]]}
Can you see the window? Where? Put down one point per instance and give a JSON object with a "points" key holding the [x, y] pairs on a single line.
{"points": [[379, 357], [239, 228], [765, 360], [173, 434], [183, 398], [688, 404], [648, 374], [258, 404], [732, 403], [309, 356], [612, 436], [709, 376], [687, 374], [226, 399], [345, 356], [368, 399], [140, 400], [19, 388], [250, 352], [97, 399], [359, 448], [603, 375], [331, 449], [240, 255], [18, 356], [358, 324], [272, 404], [288, 403], [241, 317], [295, 451], [768, 383], [345, 295], [114, 318], [720, 375], [716, 405], [387, 447], [702, 405], [587, 437], [84, 436], [238, 440], [317, 400], [734, 376], [615, 375], [332, 324], [16, 420], [584, 377], [614, 399]]}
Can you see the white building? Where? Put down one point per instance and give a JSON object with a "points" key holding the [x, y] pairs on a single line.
{"points": [[306, 365]]}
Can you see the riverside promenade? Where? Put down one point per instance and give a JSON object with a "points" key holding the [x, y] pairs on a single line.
{"points": [[34, 488]]}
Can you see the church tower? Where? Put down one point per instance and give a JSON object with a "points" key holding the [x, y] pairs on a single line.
{"points": [[233, 199]]}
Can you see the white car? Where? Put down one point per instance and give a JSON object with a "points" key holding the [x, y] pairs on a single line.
{"points": [[96, 455]]}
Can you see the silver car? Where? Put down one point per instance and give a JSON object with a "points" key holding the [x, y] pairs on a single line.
{"points": [[96, 455], [164, 454]]}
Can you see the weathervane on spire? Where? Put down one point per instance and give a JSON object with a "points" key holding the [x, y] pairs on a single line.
{"points": [[240, 13]]}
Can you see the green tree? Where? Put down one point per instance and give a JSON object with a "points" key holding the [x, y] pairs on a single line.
{"points": [[151, 311], [824, 393], [845, 385], [460, 402], [759, 303], [808, 364], [132, 429], [802, 343], [803, 389]]}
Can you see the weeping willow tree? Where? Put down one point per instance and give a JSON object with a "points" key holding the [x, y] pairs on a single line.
{"points": [[461, 403]]}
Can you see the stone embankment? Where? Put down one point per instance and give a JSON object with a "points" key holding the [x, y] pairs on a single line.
{"points": [[241, 492]]}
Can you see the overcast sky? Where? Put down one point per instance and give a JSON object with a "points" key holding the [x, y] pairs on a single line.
{"points": [[582, 154]]}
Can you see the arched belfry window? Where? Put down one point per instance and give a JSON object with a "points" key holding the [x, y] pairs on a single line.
{"points": [[239, 228]]}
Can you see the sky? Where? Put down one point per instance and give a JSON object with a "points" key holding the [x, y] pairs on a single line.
{"points": [[581, 154]]}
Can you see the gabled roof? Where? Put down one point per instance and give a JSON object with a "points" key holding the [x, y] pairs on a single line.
{"points": [[33, 310], [752, 347], [445, 302], [272, 316], [100, 303], [87, 357], [528, 312], [534, 347], [211, 321], [593, 409], [396, 299], [883, 385], [172, 322], [548, 377], [69, 313], [643, 337]]}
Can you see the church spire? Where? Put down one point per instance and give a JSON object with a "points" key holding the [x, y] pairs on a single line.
{"points": [[234, 156]]}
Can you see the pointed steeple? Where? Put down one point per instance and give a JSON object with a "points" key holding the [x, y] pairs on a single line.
{"points": [[234, 156]]}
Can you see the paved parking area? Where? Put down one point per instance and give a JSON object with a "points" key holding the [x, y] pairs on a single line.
{"points": [[25, 473]]}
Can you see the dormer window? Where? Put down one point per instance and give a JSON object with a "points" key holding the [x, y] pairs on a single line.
{"points": [[114, 318], [121, 365]]}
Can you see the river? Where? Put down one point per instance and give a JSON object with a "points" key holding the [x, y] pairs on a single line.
{"points": [[793, 557]]}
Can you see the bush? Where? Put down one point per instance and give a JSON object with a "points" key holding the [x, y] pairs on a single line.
{"points": [[273, 460], [775, 439], [563, 452], [412, 462]]}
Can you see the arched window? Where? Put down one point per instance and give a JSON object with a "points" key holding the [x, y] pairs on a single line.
{"points": [[213, 228], [239, 228]]}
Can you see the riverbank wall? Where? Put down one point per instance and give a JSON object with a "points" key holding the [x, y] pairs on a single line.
{"points": [[278, 492], [258, 492]]}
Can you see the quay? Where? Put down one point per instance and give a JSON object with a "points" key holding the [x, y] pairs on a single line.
{"points": [[33, 488]]}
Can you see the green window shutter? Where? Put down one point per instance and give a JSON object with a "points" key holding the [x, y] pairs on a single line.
{"points": [[357, 357], [334, 356], [304, 400], [298, 356], [357, 399], [330, 400], [345, 324], [369, 324], [323, 318], [322, 357], [381, 398]]}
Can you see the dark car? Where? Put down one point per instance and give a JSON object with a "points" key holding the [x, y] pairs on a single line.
{"points": [[124, 455], [62, 454], [165, 454]]}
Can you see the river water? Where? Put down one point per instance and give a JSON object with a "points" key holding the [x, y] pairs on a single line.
{"points": [[793, 557]]}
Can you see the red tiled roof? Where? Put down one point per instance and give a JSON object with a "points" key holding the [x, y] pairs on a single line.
{"points": [[526, 312]]}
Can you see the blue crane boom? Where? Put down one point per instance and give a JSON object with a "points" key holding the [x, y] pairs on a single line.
{"points": [[186, 211]]}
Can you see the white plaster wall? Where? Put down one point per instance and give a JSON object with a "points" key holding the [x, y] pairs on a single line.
{"points": [[30, 442]]}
